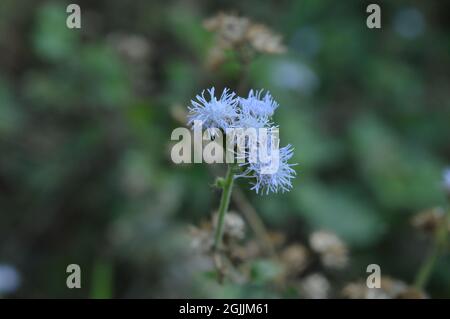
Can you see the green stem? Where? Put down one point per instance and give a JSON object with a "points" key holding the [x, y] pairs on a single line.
{"points": [[223, 208], [427, 267]]}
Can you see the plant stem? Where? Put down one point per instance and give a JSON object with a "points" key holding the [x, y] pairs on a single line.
{"points": [[427, 267], [223, 208]]}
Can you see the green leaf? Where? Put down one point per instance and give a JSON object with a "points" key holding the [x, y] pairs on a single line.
{"points": [[336, 209]]}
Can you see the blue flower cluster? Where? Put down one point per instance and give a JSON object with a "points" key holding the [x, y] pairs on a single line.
{"points": [[446, 176], [254, 111], [267, 181], [214, 113]]}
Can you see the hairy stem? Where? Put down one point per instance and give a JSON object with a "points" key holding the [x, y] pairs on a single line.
{"points": [[223, 208]]}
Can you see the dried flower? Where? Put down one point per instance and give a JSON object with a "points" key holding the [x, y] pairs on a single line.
{"points": [[332, 250], [229, 28], [133, 47], [315, 286], [201, 238], [295, 258], [234, 225], [412, 293], [250, 250], [240, 33], [355, 290], [429, 220], [265, 41], [215, 58], [389, 289]]}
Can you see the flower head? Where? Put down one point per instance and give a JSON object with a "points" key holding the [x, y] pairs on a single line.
{"points": [[256, 111], [258, 106], [274, 175], [214, 113], [247, 119], [257, 152], [332, 250], [10, 279], [447, 179]]}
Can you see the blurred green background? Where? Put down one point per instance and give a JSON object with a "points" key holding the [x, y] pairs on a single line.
{"points": [[86, 116]]}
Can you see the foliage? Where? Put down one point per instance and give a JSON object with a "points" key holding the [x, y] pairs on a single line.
{"points": [[85, 122]]}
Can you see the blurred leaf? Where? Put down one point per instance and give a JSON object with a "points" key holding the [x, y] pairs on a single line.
{"points": [[313, 147], [10, 115], [102, 280], [181, 81], [104, 76], [188, 28], [395, 171], [264, 271], [395, 85], [335, 209], [52, 39]]}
